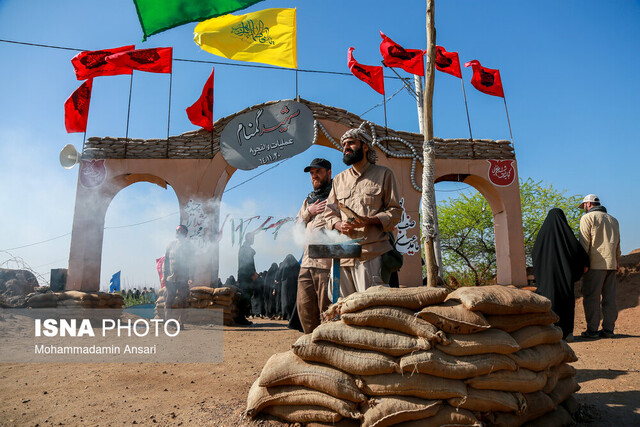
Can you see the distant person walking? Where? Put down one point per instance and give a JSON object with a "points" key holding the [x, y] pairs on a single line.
{"points": [[247, 275], [559, 260], [600, 237], [178, 272]]}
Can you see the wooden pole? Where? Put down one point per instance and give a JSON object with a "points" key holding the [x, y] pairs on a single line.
{"points": [[428, 191]]}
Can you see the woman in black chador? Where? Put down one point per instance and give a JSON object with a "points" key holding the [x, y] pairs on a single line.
{"points": [[558, 262]]}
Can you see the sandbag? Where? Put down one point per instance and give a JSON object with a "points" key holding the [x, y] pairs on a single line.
{"points": [[386, 411], [303, 413], [357, 362], [489, 401], [498, 299], [453, 318], [537, 404], [559, 417], [417, 385], [435, 362], [540, 357], [412, 298], [564, 389], [375, 339], [289, 369], [522, 380], [552, 379], [566, 371], [395, 319], [513, 322], [262, 397], [446, 416], [488, 341], [530, 336]]}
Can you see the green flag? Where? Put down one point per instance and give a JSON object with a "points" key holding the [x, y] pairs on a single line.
{"points": [[157, 16]]}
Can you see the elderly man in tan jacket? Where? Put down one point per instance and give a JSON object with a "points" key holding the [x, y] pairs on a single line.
{"points": [[370, 192], [600, 237]]}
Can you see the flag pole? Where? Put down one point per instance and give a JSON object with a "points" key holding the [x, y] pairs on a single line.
{"points": [[384, 102], [504, 98], [297, 95], [126, 137], [169, 112], [466, 108]]}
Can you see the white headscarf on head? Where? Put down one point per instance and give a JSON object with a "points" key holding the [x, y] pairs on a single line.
{"points": [[362, 136]]}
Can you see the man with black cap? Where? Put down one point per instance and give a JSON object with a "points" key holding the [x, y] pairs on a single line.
{"points": [[600, 237], [178, 272], [313, 297], [369, 191]]}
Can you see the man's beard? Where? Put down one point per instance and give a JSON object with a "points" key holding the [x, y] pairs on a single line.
{"points": [[354, 157], [320, 183]]}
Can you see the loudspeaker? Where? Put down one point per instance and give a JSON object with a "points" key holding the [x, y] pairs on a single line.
{"points": [[69, 156]]}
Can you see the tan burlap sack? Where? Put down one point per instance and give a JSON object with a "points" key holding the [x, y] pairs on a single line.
{"points": [[489, 401], [556, 418], [453, 318], [261, 397], [74, 303], [435, 362], [417, 385], [537, 404], [356, 362], [498, 299], [288, 369], [540, 357], [446, 416], [395, 319], [488, 341], [160, 300], [566, 371], [78, 295], [522, 380], [374, 339], [553, 376], [199, 303], [303, 414], [390, 410], [161, 291], [412, 298], [513, 322], [564, 389], [160, 305], [530, 336]]}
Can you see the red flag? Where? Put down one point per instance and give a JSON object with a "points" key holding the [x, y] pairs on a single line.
{"points": [[448, 62], [92, 63], [410, 60], [367, 73], [486, 80], [76, 108], [157, 60], [201, 112]]}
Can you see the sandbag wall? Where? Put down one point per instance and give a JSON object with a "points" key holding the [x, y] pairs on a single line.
{"points": [[203, 297], [74, 299], [417, 356]]}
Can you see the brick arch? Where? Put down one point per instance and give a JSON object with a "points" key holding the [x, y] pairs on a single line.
{"points": [[191, 163]]}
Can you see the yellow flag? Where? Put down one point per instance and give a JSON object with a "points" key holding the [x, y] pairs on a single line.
{"points": [[267, 36]]}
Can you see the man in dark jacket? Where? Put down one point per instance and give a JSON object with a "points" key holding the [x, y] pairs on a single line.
{"points": [[178, 273]]}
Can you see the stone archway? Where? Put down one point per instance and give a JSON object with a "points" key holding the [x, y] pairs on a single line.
{"points": [[193, 166]]}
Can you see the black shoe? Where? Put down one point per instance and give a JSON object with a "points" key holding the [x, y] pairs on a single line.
{"points": [[590, 335], [605, 333]]}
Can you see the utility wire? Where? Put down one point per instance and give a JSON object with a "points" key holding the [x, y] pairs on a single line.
{"points": [[300, 70]]}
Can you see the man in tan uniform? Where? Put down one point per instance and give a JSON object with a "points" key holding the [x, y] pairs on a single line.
{"points": [[313, 297], [370, 192], [600, 237]]}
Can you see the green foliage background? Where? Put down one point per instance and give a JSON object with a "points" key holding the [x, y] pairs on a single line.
{"points": [[467, 234]]}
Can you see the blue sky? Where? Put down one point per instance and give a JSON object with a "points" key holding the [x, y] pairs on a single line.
{"points": [[569, 70]]}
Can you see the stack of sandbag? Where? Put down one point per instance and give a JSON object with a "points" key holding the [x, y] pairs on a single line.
{"points": [[417, 356], [540, 381], [204, 297], [75, 299]]}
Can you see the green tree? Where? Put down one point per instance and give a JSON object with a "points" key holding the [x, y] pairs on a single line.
{"points": [[467, 233]]}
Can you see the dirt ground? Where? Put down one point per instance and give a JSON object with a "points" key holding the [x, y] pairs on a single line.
{"points": [[215, 394]]}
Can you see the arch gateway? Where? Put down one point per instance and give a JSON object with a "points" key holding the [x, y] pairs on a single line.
{"points": [[194, 166]]}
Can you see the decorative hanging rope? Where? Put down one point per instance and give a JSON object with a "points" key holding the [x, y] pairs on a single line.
{"points": [[377, 141]]}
